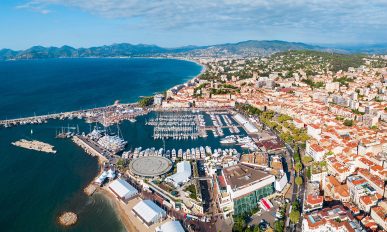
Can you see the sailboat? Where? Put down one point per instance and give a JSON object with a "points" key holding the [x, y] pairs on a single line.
{"points": [[32, 131]]}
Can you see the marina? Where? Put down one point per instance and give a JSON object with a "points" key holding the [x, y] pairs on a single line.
{"points": [[175, 126], [35, 145], [89, 86], [194, 153]]}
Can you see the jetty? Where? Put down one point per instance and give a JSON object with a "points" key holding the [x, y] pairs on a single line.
{"points": [[35, 145], [108, 115], [91, 148]]}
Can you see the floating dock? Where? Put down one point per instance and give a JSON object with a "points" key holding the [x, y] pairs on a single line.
{"points": [[35, 145]]}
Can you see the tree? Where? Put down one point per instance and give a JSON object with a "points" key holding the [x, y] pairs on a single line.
{"points": [[239, 224], [256, 229], [329, 153], [295, 205], [307, 159], [294, 216], [298, 167], [146, 101], [283, 118], [309, 172], [348, 122], [121, 164], [298, 180], [279, 226]]}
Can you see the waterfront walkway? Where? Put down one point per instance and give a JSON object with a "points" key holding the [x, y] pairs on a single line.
{"points": [[70, 114]]}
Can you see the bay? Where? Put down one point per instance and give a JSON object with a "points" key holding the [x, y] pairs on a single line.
{"points": [[29, 87], [36, 187]]}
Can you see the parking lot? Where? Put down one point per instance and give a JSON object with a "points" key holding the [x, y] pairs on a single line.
{"points": [[266, 216]]}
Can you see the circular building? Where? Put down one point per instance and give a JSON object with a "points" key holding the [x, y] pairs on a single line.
{"points": [[150, 166]]}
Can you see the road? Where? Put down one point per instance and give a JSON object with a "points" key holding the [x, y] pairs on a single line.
{"points": [[298, 191]]}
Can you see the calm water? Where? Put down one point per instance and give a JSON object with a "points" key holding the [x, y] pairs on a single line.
{"points": [[36, 187], [57, 85]]}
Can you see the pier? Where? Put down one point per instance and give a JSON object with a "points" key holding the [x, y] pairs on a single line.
{"points": [[107, 115], [91, 148]]}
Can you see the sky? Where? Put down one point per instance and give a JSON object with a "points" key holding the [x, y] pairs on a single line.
{"points": [[173, 23]]}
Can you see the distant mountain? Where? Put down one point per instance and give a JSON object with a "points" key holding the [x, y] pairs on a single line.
{"points": [[115, 50], [252, 48], [366, 49], [242, 49]]}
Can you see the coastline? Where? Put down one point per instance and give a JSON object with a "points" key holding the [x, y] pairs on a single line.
{"points": [[182, 81], [119, 210], [118, 207]]}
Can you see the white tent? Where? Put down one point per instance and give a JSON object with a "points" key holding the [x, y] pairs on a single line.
{"points": [[250, 128], [240, 119], [122, 189], [101, 178], [171, 226], [111, 174], [182, 175], [149, 212]]}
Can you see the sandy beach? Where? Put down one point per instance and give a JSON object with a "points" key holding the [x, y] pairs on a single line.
{"points": [[123, 211], [118, 207]]}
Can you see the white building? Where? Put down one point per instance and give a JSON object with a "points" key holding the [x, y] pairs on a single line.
{"points": [[379, 214], [171, 226], [122, 189], [158, 99], [101, 178], [250, 128], [280, 183], [182, 175], [149, 212], [314, 131], [315, 151], [241, 187], [332, 86]]}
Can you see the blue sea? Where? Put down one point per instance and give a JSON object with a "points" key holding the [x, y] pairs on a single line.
{"points": [[29, 87], [36, 187]]}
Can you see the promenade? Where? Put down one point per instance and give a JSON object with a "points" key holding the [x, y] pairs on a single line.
{"points": [[92, 114]]}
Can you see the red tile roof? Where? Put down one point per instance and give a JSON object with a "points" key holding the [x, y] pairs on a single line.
{"points": [[313, 199]]}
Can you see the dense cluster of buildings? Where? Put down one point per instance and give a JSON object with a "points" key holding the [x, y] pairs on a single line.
{"points": [[343, 115], [345, 118]]}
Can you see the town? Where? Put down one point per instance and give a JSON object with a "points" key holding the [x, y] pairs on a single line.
{"points": [[305, 147]]}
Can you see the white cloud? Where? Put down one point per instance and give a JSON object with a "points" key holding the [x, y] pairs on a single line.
{"points": [[332, 16], [35, 6]]}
